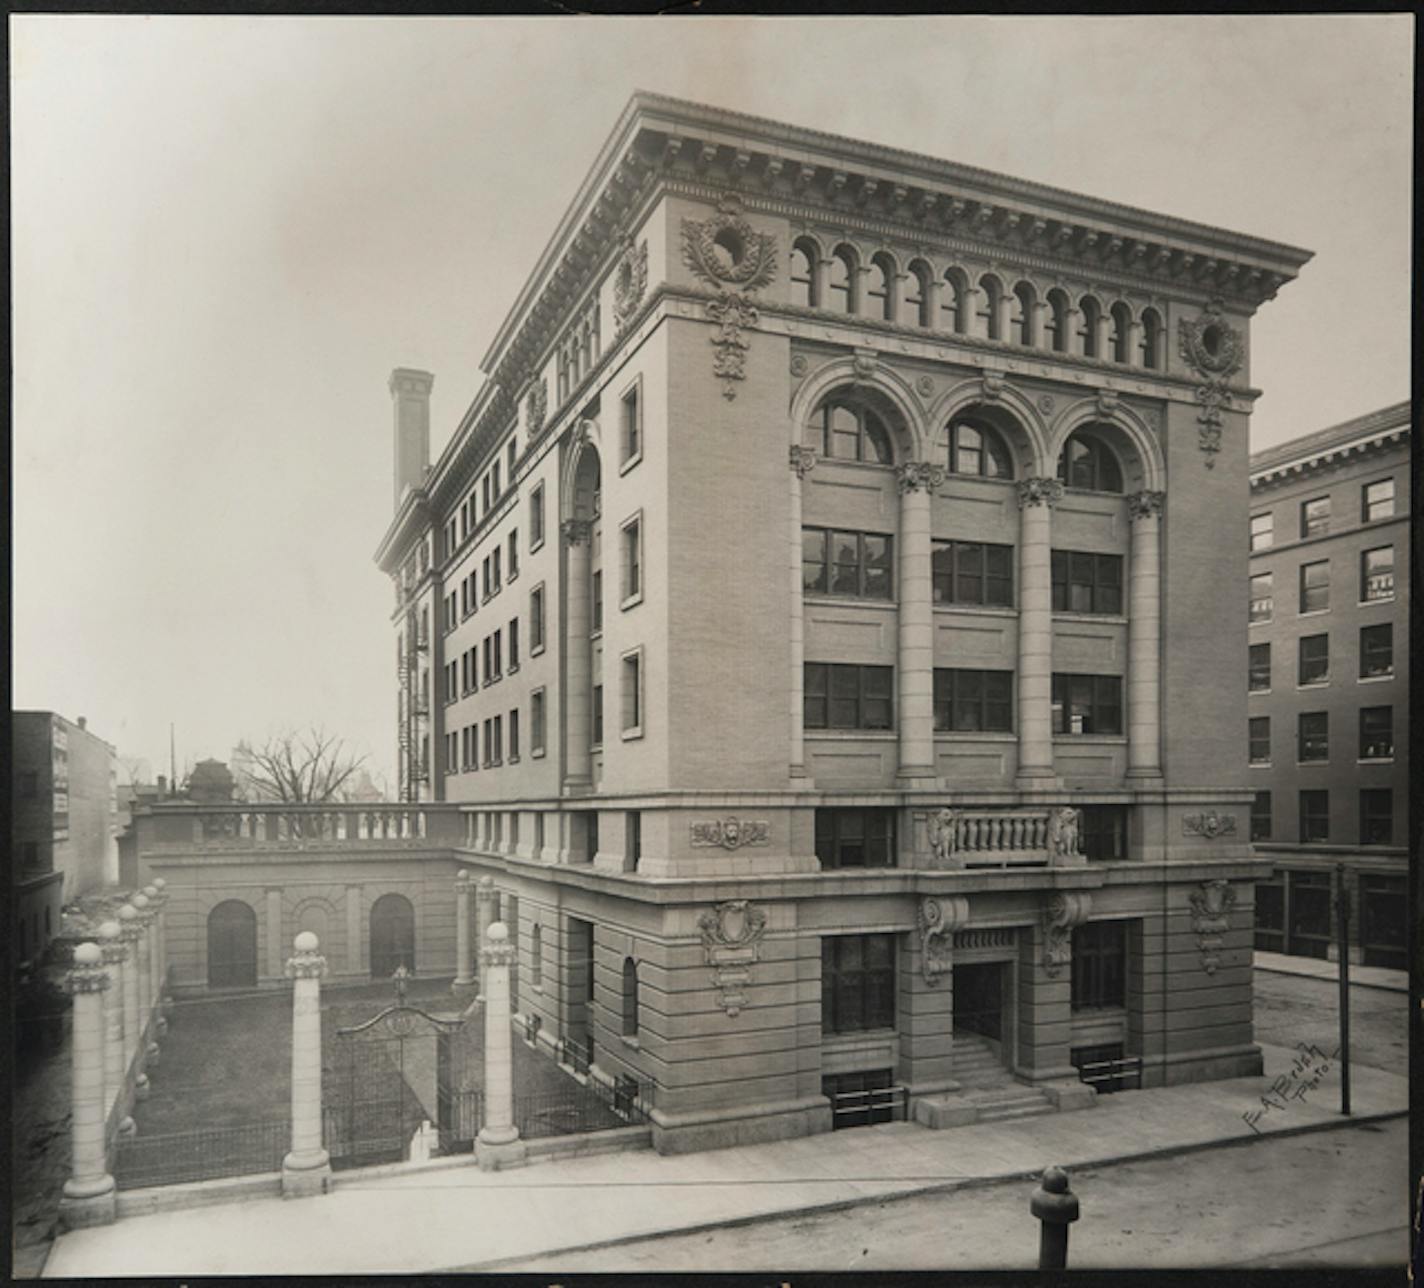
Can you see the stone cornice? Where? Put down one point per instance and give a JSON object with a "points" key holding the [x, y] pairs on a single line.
{"points": [[1318, 462]]}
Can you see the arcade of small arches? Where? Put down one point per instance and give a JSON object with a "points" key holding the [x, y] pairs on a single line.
{"points": [[986, 306]]}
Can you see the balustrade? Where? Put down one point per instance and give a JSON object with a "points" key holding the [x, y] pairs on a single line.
{"points": [[284, 825], [970, 838]]}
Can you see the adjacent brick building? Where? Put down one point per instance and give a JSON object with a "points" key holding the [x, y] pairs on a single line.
{"points": [[1328, 684]]}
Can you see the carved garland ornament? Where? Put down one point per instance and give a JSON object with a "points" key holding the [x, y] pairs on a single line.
{"points": [[1065, 910], [1210, 825], [731, 935], [731, 833], [1214, 350], [1211, 918], [938, 919], [536, 406], [630, 281], [725, 251]]}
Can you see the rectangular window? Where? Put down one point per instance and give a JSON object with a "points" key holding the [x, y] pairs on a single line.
{"points": [[1259, 740], [971, 572], [632, 693], [1086, 583], [1261, 817], [632, 424], [857, 983], [485, 576], [536, 517], [1377, 574], [973, 701], [498, 739], [513, 634], [1262, 597], [631, 547], [536, 723], [1099, 965], [854, 564], [485, 493], [485, 646], [495, 556], [1104, 834], [632, 838], [1258, 673], [598, 715], [498, 662], [1313, 736], [1315, 816], [536, 619], [1377, 500], [596, 591], [1315, 517], [513, 558], [495, 487], [1376, 733], [511, 458], [1315, 586], [1376, 816], [1087, 704], [855, 838], [489, 745], [1314, 659], [839, 696], [514, 735], [1376, 651], [1263, 531]]}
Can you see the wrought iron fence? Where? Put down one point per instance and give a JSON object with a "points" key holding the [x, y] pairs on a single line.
{"points": [[564, 1111], [574, 1054], [532, 1025], [203, 1155]]}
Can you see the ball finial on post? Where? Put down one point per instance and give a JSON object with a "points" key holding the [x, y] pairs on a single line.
{"points": [[1056, 1207]]}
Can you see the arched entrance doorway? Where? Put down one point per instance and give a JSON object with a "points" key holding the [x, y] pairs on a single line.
{"points": [[232, 946], [392, 935]]}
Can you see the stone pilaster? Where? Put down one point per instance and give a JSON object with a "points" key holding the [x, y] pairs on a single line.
{"points": [[1045, 1008], [1144, 637], [159, 900], [113, 951], [925, 1010], [578, 697], [274, 933], [498, 1144], [306, 1169], [353, 931], [803, 461], [130, 933], [915, 661], [463, 975], [88, 1197], [1035, 677]]}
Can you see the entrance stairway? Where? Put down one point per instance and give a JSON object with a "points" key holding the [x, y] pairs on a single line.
{"points": [[985, 1082]]}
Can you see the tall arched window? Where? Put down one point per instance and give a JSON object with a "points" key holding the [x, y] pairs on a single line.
{"points": [[840, 293], [1121, 332], [953, 302], [803, 274], [1025, 314], [1151, 338], [1057, 321], [989, 310], [916, 296], [536, 955], [972, 447], [1091, 311], [882, 294], [630, 998], [1088, 463], [846, 432]]}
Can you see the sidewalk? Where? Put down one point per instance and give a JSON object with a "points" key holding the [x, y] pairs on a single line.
{"points": [[457, 1217], [1394, 981]]}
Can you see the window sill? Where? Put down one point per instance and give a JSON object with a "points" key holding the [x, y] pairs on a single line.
{"points": [[1258, 764], [537, 755], [596, 634], [1313, 764], [1104, 739], [630, 462], [631, 602], [628, 735], [1375, 760], [1313, 612], [513, 669], [514, 760], [513, 576], [1383, 599], [534, 652], [631, 1042], [1105, 619], [975, 610], [536, 545], [1260, 621], [1259, 693], [1374, 679], [1312, 684], [840, 735], [972, 735]]}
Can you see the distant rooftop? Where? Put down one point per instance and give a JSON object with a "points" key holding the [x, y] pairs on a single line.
{"points": [[1326, 442]]}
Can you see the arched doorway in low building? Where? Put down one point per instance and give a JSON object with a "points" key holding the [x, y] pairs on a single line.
{"points": [[392, 935], [232, 945]]}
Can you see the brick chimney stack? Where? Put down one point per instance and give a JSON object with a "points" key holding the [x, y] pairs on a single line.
{"points": [[410, 393]]}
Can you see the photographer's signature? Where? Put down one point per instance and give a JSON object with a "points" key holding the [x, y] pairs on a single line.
{"points": [[1307, 1071]]}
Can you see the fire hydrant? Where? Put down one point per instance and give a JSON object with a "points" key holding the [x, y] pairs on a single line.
{"points": [[1056, 1207]]}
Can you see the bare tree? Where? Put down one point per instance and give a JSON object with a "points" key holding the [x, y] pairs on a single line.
{"points": [[307, 767]]}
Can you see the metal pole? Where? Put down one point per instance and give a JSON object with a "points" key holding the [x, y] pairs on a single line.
{"points": [[1342, 932]]}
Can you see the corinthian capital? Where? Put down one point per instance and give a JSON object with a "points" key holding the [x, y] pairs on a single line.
{"points": [[1145, 504], [914, 476], [575, 531], [1039, 492]]}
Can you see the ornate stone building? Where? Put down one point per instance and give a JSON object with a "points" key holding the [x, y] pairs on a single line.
{"points": [[1328, 686], [827, 613]]}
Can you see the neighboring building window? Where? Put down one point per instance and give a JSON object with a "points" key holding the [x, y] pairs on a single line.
{"points": [[632, 839], [1103, 838], [632, 693], [1089, 464], [1376, 733], [511, 459], [514, 741], [1315, 586], [536, 517], [1315, 816], [1314, 659], [1262, 598], [838, 696], [1314, 736], [1099, 965], [630, 998], [855, 838], [536, 619], [846, 433], [536, 950], [485, 576], [496, 557], [513, 553], [513, 634], [971, 701], [1086, 583], [498, 744], [1376, 816], [846, 563], [495, 487], [1377, 574], [1087, 703], [596, 589], [598, 715], [857, 983], [1258, 674], [1263, 531], [975, 448], [1261, 817], [1377, 500], [1315, 517], [1376, 650], [1259, 740], [971, 572], [498, 659], [536, 723], [632, 426], [631, 547], [489, 744]]}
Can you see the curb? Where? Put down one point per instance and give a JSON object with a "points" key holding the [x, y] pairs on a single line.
{"points": [[937, 1187], [1327, 979]]}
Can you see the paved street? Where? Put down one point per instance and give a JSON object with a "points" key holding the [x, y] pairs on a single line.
{"points": [[1237, 1205], [1296, 1008]]}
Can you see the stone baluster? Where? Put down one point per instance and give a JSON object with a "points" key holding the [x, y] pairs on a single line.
{"points": [[112, 950], [915, 660], [498, 1144], [307, 1168], [463, 956], [88, 1195], [131, 932], [1144, 637], [1036, 497]]}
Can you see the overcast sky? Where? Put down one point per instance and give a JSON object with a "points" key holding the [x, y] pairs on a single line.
{"points": [[227, 231]]}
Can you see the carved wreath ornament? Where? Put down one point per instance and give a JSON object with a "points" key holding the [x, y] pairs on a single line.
{"points": [[1215, 351], [630, 281], [726, 252]]}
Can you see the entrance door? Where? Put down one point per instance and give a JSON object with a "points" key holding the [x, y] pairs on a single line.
{"points": [[392, 936], [232, 946], [979, 999]]}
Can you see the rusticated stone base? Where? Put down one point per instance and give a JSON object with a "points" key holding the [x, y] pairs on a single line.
{"points": [[497, 1156], [949, 1110], [1202, 1066], [742, 1125], [1069, 1094], [86, 1205], [305, 1176]]}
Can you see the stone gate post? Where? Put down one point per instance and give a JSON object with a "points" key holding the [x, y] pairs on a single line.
{"points": [[157, 960], [463, 960], [130, 932], [147, 1002], [486, 902], [498, 1144], [88, 1197], [307, 1167], [113, 951]]}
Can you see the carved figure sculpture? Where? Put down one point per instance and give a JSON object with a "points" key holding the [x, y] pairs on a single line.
{"points": [[1064, 824], [942, 831]]}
